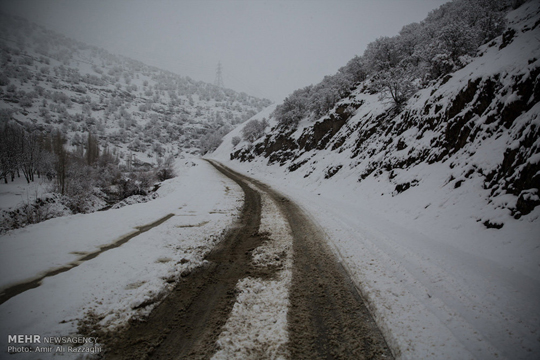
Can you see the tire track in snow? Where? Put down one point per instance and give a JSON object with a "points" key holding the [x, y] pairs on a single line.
{"points": [[17, 289], [186, 325], [257, 326], [327, 317], [318, 312]]}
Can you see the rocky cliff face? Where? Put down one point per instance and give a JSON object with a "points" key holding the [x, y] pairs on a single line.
{"points": [[481, 122]]}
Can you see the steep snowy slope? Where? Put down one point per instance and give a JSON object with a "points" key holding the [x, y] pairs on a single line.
{"points": [[480, 122], [434, 210]]}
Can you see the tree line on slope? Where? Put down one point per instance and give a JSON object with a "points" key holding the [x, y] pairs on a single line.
{"points": [[80, 178], [396, 67]]}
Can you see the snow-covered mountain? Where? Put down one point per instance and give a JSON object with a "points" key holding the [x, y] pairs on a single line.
{"points": [[475, 130], [48, 81]]}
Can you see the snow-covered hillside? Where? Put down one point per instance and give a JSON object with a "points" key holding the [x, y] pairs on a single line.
{"points": [[89, 125], [479, 125], [433, 209], [48, 81]]}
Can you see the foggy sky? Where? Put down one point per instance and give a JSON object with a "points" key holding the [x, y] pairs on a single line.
{"points": [[267, 48]]}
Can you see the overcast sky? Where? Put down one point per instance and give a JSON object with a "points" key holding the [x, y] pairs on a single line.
{"points": [[267, 48]]}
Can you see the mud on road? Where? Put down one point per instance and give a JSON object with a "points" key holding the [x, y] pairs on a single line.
{"points": [[327, 318]]}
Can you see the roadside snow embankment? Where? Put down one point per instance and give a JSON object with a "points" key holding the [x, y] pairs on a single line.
{"points": [[103, 293]]}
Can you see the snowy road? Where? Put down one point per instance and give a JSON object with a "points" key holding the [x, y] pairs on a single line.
{"points": [[270, 289], [433, 297], [122, 284], [327, 318], [265, 287]]}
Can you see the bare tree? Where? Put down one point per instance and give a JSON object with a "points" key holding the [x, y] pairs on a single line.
{"points": [[30, 154], [396, 85], [92, 149], [62, 160]]}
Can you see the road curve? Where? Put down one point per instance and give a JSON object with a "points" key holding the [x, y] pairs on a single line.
{"points": [[327, 318]]}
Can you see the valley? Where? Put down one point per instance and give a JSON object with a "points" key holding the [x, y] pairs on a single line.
{"points": [[391, 210]]}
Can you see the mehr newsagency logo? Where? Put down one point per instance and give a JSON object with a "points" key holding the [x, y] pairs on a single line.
{"points": [[52, 344]]}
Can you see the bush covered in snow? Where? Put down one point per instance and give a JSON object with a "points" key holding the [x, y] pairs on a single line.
{"points": [[397, 66]]}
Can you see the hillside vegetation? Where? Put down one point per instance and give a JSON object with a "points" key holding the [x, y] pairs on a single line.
{"points": [[460, 89], [101, 127], [398, 66]]}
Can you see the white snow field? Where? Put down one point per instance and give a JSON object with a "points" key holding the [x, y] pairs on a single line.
{"points": [[120, 283]]}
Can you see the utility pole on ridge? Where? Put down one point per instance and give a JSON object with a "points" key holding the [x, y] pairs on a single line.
{"points": [[219, 76]]}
